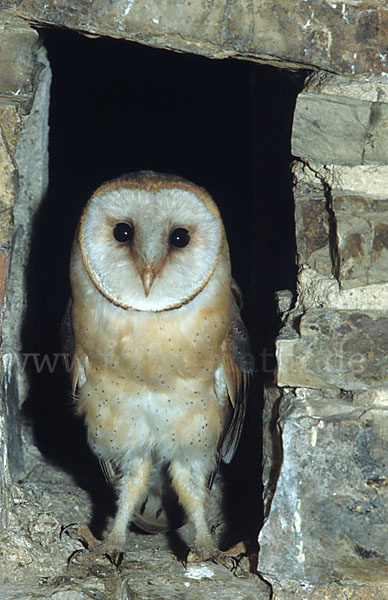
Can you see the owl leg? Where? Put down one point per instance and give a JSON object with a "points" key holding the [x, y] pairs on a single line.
{"points": [[189, 482], [133, 485]]}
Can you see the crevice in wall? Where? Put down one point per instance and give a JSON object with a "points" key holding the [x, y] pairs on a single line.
{"points": [[333, 235], [276, 448]]}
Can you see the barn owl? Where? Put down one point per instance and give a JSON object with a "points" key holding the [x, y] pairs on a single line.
{"points": [[161, 359]]}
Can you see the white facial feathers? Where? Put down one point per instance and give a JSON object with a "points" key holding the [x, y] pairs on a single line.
{"points": [[150, 262]]}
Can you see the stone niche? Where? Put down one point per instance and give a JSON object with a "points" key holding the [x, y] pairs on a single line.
{"points": [[325, 428]]}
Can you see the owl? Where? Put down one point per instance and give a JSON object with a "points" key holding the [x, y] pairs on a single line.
{"points": [[161, 360]]}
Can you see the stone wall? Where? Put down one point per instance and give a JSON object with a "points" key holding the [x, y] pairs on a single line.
{"points": [[326, 421], [24, 97]]}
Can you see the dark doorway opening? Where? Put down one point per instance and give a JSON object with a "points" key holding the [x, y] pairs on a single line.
{"points": [[118, 107]]}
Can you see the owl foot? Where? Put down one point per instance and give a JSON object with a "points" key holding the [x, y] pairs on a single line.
{"points": [[215, 555], [91, 554], [93, 548]]}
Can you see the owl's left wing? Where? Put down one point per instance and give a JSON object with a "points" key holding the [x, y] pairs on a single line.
{"points": [[236, 371], [72, 360]]}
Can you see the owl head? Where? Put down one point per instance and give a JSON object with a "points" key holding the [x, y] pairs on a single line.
{"points": [[151, 242]]}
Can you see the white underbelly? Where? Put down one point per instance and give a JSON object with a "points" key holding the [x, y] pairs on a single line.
{"points": [[151, 423]]}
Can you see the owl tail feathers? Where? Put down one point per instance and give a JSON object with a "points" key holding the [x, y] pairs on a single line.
{"points": [[159, 511]]}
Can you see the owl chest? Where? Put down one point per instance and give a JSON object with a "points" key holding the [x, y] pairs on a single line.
{"points": [[150, 380], [126, 417], [151, 348]]}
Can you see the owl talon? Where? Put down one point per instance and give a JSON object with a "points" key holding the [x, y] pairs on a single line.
{"points": [[67, 528], [216, 556], [83, 534], [115, 557], [98, 551], [76, 556], [219, 558], [92, 547]]}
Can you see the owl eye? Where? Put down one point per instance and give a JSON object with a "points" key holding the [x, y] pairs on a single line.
{"points": [[123, 232], [179, 237]]}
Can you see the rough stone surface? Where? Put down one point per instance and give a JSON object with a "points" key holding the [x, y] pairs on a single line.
{"points": [[343, 123], [5, 479], [326, 432], [18, 68], [362, 230], [11, 124], [317, 290], [272, 445], [312, 226], [328, 515], [339, 232], [364, 180], [8, 188], [33, 555], [331, 129], [370, 89], [343, 349], [348, 37], [332, 591], [24, 87]]}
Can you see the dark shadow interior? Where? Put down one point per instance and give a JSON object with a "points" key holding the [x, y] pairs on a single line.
{"points": [[118, 107]]}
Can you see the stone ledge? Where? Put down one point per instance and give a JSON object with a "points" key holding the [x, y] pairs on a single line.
{"points": [[316, 290], [347, 37], [370, 89], [366, 180]]}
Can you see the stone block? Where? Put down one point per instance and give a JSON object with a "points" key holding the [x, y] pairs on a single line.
{"points": [[317, 290], [362, 230], [18, 67], [8, 188], [312, 228], [330, 129], [334, 349], [363, 180], [337, 231], [11, 124], [370, 89], [328, 492], [376, 140], [342, 121], [349, 38]]}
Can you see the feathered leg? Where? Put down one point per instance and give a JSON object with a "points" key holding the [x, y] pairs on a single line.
{"points": [[133, 485], [189, 481]]}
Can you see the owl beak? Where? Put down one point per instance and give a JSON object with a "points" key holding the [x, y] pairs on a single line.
{"points": [[148, 276]]}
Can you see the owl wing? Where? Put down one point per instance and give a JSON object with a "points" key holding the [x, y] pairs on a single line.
{"points": [[236, 371], [72, 361], [78, 375]]}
